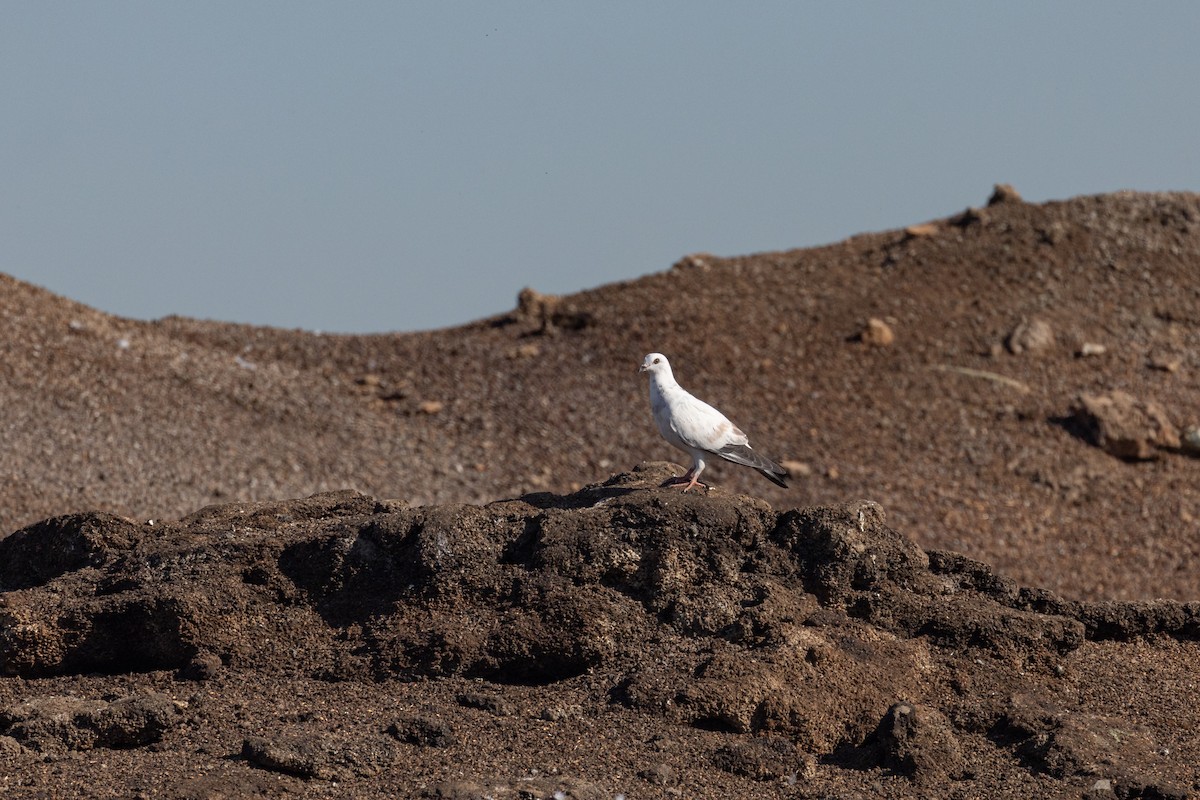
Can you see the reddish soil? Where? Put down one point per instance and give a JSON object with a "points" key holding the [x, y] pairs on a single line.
{"points": [[1023, 398]]}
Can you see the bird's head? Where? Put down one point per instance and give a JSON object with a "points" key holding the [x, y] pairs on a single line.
{"points": [[656, 364]]}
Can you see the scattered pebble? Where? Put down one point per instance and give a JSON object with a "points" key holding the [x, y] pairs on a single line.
{"points": [[922, 230], [797, 469], [1089, 349], [919, 741], [698, 261], [492, 703], [422, 732], [659, 775], [203, 666], [1189, 440], [431, 406], [1030, 336], [528, 350], [562, 713], [1004, 193], [762, 759], [1165, 362], [877, 333]]}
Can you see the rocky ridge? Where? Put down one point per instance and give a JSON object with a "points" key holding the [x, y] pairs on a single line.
{"points": [[622, 639]]}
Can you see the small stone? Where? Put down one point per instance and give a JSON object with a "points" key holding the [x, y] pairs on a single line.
{"points": [[550, 312], [797, 469], [1125, 426], [527, 350], [203, 666], [696, 261], [294, 757], [877, 333], [920, 231], [1030, 336], [1053, 233], [659, 775], [491, 703], [663, 744], [1190, 440], [919, 741], [1165, 362], [431, 406], [562, 713], [972, 216], [767, 758], [422, 732], [1089, 349], [1004, 193]]}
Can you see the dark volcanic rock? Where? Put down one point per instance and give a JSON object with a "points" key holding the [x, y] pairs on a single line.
{"points": [[760, 758], [1068, 743], [321, 757], [919, 741], [790, 635], [43, 551], [422, 731], [48, 723]]}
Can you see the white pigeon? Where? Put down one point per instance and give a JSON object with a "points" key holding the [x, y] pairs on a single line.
{"points": [[698, 429]]}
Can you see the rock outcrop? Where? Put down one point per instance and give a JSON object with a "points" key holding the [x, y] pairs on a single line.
{"points": [[816, 644]]}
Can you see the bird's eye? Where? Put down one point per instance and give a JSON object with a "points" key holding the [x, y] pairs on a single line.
{"points": [[657, 360]]}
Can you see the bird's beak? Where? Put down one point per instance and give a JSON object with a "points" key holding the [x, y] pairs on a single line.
{"points": [[642, 368]]}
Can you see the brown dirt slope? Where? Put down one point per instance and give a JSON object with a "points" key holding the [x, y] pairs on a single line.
{"points": [[622, 640], [959, 414]]}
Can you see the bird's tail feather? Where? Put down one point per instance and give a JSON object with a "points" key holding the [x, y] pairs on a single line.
{"points": [[775, 477], [742, 454]]}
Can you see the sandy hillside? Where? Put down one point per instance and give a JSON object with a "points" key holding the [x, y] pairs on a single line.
{"points": [[972, 437]]}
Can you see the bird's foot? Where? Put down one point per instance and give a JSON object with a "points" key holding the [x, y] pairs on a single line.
{"points": [[687, 480]]}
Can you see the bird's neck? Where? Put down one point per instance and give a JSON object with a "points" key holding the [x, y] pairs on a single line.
{"points": [[663, 383]]}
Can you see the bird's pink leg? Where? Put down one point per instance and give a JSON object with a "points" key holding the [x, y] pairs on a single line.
{"points": [[691, 478]]}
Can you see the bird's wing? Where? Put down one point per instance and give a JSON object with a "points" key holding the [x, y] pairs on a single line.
{"points": [[701, 426]]}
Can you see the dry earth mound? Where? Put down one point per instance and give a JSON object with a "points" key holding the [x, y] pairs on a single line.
{"points": [[619, 639]]}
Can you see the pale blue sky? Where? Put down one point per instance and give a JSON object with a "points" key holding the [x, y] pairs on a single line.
{"points": [[376, 166]]}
